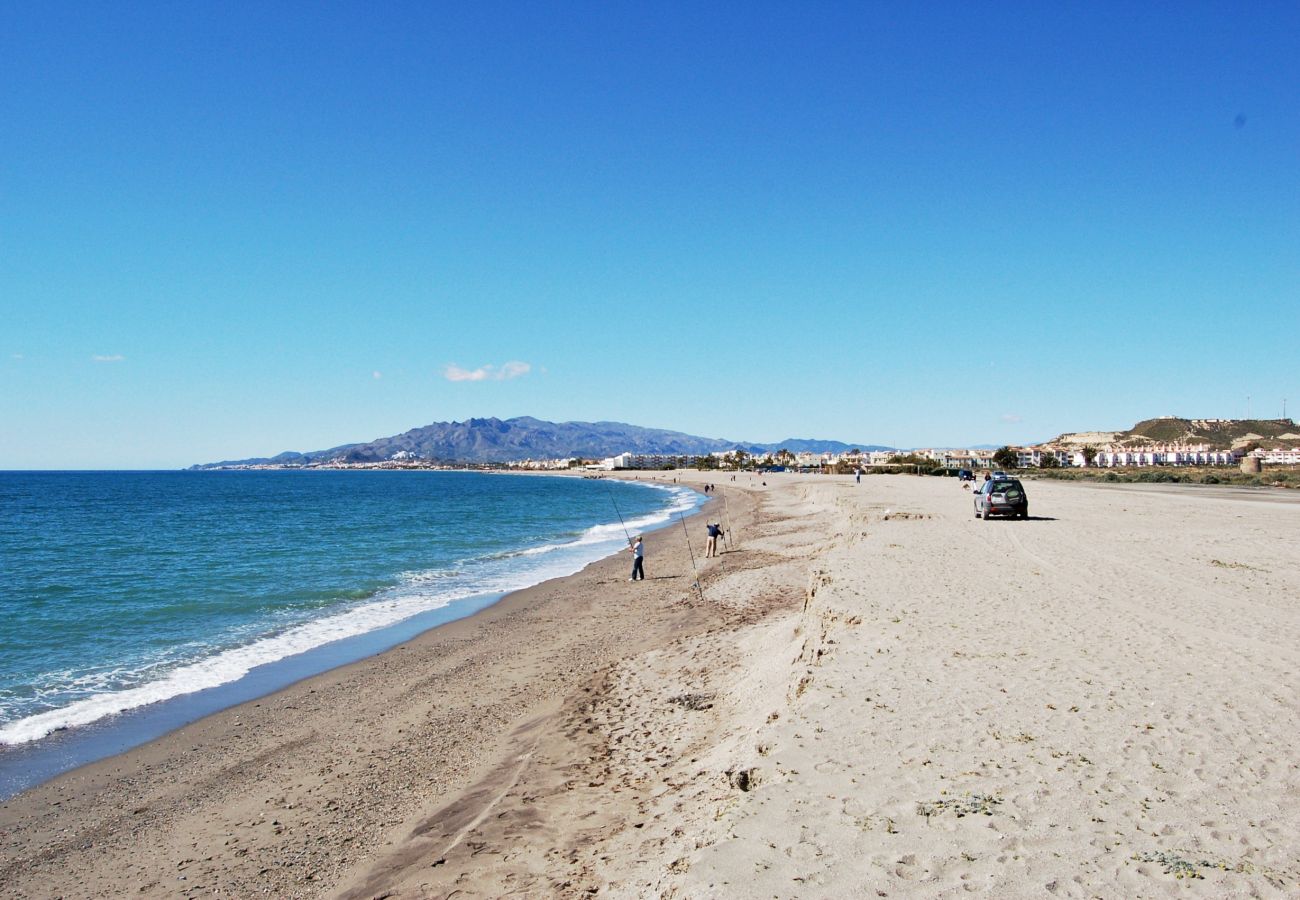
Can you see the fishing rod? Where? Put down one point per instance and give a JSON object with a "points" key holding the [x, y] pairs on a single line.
{"points": [[620, 514], [699, 587], [726, 535]]}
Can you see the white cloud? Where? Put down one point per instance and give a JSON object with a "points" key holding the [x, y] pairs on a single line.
{"points": [[17, 356], [1010, 418], [376, 375], [507, 371], [116, 357]]}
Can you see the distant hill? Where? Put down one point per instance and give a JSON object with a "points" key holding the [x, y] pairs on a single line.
{"points": [[495, 440], [1218, 433]]}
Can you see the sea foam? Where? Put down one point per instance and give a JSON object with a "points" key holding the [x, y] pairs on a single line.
{"points": [[416, 593]]}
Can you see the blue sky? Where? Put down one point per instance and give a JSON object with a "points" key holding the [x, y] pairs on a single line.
{"points": [[233, 229]]}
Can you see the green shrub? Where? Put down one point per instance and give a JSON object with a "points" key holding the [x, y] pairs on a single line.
{"points": [[1005, 458]]}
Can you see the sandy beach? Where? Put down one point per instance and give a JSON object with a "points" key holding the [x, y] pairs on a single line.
{"points": [[870, 694]]}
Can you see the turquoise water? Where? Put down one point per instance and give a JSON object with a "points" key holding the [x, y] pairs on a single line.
{"points": [[123, 590]]}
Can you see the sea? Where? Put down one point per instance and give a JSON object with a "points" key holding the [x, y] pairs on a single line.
{"points": [[132, 603]]}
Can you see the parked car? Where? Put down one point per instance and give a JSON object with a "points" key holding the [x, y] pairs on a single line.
{"points": [[965, 475], [999, 475], [1001, 497]]}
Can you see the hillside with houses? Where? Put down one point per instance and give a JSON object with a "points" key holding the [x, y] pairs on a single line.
{"points": [[1165, 441], [1218, 434]]}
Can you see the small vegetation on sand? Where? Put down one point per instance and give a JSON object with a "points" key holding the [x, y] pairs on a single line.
{"points": [[1173, 864], [693, 701], [969, 805], [1273, 476], [1180, 866]]}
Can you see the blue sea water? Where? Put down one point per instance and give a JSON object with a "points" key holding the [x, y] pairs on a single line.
{"points": [[121, 590]]}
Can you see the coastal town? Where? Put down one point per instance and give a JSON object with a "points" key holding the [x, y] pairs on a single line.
{"points": [[1093, 449], [529, 444], [1042, 456]]}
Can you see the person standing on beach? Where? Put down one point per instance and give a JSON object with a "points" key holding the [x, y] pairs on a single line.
{"points": [[715, 532], [638, 560]]}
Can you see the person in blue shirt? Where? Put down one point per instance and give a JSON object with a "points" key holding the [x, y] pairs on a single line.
{"points": [[715, 532]]}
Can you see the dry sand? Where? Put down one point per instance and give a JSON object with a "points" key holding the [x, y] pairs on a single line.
{"points": [[1098, 702]]}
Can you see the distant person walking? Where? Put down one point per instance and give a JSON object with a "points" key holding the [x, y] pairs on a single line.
{"points": [[711, 546], [638, 560], [857, 476]]}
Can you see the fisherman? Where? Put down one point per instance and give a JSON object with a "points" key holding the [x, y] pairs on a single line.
{"points": [[638, 560], [711, 546]]}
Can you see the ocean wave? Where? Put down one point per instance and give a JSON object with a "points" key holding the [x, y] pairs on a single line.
{"points": [[222, 668], [118, 690], [683, 500]]}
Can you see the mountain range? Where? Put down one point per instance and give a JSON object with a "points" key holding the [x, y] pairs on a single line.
{"points": [[495, 440]]}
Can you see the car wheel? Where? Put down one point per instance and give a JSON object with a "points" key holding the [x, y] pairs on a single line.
{"points": [[985, 517]]}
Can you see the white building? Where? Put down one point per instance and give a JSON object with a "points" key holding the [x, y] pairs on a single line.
{"points": [[546, 465], [645, 461], [1282, 456], [1164, 455], [962, 459]]}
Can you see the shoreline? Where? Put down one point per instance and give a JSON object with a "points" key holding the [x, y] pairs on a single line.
{"points": [[33, 763], [162, 776], [30, 763]]}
